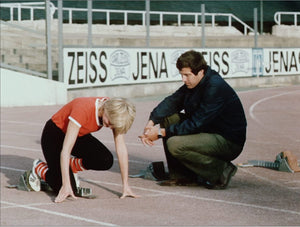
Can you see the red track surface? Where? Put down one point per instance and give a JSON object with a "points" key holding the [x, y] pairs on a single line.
{"points": [[256, 196]]}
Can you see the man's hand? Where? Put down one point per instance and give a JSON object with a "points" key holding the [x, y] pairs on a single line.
{"points": [[152, 133], [145, 140]]}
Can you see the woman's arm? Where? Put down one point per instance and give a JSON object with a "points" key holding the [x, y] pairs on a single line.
{"points": [[69, 141], [123, 163]]}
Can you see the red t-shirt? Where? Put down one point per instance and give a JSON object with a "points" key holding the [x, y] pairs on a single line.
{"points": [[83, 112]]}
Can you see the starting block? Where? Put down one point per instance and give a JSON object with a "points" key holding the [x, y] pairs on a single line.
{"points": [[24, 186], [155, 171], [285, 162]]}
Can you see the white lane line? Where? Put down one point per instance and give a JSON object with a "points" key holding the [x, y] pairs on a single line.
{"points": [[262, 142], [201, 198], [197, 197], [22, 122], [13, 169], [20, 148], [39, 150], [59, 214], [265, 179], [251, 109], [102, 141], [31, 204], [20, 134], [293, 181]]}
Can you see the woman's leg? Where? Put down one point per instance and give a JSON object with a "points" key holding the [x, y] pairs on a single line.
{"points": [[94, 154], [52, 141]]}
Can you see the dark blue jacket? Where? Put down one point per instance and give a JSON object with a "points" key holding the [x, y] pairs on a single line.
{"points": [[211, 107]]}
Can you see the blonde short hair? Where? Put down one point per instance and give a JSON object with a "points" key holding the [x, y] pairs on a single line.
{"points": [[121, 114]]}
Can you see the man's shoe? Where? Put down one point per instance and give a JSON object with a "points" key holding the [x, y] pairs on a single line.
{"points": [[228, 172], [209, 185], [225, 178], [33, 179], [178, 182]]}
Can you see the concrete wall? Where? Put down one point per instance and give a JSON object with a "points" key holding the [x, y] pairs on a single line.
{"points": [[19, 89], [163, 89]]}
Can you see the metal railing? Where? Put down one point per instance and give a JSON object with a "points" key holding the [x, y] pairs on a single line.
{"points": [[277, 17], [211, 17], [31, 6]]}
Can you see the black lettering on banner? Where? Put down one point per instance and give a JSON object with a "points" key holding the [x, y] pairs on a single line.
{"points": [[298, 59], [86, 67], [163, 63], [93, 67], [71, 54], [79, 68], [216, 62], [143, 65], [284, 61], [293, 62], [275, 60], [135, 77], [270, 60], [103, 66], [204, 53], [153, 66], [225, 54]]}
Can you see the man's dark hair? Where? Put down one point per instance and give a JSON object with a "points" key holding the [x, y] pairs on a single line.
{"points": [[193, 60]]}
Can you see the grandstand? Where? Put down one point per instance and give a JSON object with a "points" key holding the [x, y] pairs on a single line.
{"points": [[242, 9]]}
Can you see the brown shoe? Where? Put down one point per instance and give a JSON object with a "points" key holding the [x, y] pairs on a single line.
{"points": [[178, 182]]}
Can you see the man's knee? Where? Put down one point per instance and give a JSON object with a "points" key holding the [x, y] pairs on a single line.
{"points": [[175, 147]]}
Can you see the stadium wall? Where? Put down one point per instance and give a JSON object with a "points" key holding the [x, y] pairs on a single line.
{"points": [[163, 89], [20, 89]]}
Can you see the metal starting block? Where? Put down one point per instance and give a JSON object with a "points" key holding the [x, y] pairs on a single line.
{"points": [[23, 182], [285, 162], [85, 193], [24, 186], [155, 171]]}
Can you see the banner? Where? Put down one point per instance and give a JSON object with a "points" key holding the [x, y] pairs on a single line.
{"points": [[92, 67], [281, 61]]}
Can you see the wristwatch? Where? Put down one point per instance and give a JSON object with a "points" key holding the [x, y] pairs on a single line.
{"points": [[159, 135]]}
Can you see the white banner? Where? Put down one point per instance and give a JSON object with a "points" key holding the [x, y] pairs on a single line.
{"points": [[281, 61], [90, 67]]}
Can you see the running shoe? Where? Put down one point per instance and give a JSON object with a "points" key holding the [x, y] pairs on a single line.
{"points": [[33, 179]]}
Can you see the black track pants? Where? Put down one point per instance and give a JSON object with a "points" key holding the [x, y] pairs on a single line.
{"points": [[94, 154]]}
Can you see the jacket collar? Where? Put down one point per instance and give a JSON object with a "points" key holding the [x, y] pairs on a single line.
{"points": [[207, 75]]}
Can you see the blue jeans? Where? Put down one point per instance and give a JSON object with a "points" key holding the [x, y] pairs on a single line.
{"points": [[203, 155]]}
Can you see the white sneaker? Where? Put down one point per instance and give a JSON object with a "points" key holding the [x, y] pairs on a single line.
{"points": [[77, 182], [33, 179]]}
